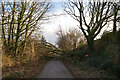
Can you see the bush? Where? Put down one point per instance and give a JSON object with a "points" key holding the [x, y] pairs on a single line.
{"points": [[16, 74], [115, 69], [111, 50], [107, 63], [99, 46], [7, 60], [104, 62], [112, 68], [94, 61], [109, 38], [99, 60]]}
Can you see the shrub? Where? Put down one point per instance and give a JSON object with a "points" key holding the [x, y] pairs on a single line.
{"points": [[106, 37], [6, 60], [15, 74], [99, 46], [94, 61], [116, 70], [109, 38], [107, 63], [99, 60]]}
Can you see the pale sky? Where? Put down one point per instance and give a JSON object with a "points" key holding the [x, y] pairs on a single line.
{"points": [[65, 21]]}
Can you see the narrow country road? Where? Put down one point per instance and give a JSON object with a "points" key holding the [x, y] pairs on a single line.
{"points": [[55, 69]]}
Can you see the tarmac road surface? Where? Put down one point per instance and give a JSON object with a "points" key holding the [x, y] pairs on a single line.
{"points": [[55, 69]]}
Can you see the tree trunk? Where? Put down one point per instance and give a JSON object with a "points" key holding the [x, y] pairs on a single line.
{"points": [[90, 42], [9, 34], [17, 37], [11, 25], [33, 51], [3, 29], [20, 19], [26, 33], [115, 20], [16, 43], [13, 33]]}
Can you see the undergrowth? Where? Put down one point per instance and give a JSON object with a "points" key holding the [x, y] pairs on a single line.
{"points": [[105, 57]]}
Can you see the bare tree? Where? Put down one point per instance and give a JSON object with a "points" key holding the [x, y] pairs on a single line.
{"points": [[70, 39], [92, 17], [19, 21], [115, 18]]}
